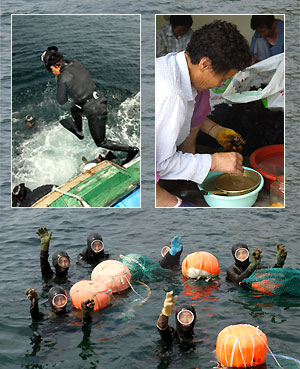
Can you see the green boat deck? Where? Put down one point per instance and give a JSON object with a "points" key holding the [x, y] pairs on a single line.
{"points": [[101, 186]]}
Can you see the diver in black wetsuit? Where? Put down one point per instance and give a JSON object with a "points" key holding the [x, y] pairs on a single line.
{"points": [[23, 196], [30, 121], [94, 252], [58, 299], [243, 268], [171, 253], [73, 80], [60, 259], [185, 317]]}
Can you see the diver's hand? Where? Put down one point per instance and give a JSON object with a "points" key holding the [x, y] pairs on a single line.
{"points": [[176, 245], [169, 303], [281, 255], [88, 305], [31, 294], [45, 238], [256, 257], [227, 162], [227, 138]]}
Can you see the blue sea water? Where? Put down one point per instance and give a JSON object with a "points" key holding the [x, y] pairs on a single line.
{"points": [[125, 335]]}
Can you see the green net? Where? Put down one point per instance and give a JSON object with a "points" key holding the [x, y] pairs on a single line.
{"points": [[277, 281], [142, 268]]}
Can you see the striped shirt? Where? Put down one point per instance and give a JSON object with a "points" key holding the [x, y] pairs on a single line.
{"points": [[166, 42]]}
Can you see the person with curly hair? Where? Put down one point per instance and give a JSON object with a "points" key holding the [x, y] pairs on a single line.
{"points": [[215, 53], [268, 38]]}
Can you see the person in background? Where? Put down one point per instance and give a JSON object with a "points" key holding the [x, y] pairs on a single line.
{"points": [[23, 196], [30, 121], [268, 39], [215, 53], [60, 259], [175, 36], [93, 253], [245, 264]]}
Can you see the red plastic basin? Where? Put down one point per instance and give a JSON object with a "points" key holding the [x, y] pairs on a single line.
{"points": [[269, 162]]}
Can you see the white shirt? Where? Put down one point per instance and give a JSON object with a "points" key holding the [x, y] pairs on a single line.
{"points": [[174, 106], [166, 42]]}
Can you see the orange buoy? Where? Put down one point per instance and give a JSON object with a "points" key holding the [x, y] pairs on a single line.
{"points": [[114, 274], [84, 290], [200, 264], [241, 346]]}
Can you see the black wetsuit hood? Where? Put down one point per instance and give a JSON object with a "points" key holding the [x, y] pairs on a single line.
{"points": [[20, 191], [51, 57], [58, 269], [57, 290], [185, 333], [241, 265], [91, 255]]}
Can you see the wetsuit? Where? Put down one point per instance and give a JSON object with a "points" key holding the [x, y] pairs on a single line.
{"points": [[87, 257], [239, 270], [75, 81], [27, 198], [170, 261], [47, 272], [181, 335]]}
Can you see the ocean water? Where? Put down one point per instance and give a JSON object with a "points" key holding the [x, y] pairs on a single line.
{"points": [[125, 334]]}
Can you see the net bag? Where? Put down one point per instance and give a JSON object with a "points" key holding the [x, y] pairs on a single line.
{"points": [[277, 281], [142, 268]]}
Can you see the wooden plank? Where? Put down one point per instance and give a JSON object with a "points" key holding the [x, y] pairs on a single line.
{"points": [[54, 195]]}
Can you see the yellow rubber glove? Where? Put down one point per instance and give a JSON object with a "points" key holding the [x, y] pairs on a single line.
{"points": [[169, 303], [45, 237], [227, 138]]}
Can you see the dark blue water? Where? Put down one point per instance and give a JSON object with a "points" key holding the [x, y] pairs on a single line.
{"points": [[125, 335]]}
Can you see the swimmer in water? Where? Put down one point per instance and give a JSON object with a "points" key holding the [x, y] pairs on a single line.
{"points": [[30, 121], [58, 299], [93, 253], [171, 253], [185, 317], [74, 81], [23, 196], [244, 266], [60, 259]]}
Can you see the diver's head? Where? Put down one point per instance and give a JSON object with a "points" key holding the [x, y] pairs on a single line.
{"points": [[61, 262], [30, 120], [185, 320], [52, 59], [19, 191], [240, 252], [58, 299], [95, 245]]}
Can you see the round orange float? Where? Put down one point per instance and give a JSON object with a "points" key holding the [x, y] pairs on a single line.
{"points": [[200, 264], [114, 274], [241, 346], [84, 290]]}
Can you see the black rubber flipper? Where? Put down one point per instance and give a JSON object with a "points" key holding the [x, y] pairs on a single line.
{"points": [[69, 124], [131, 153]]}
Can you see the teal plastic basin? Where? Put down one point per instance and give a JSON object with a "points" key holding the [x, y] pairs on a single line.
{"points": [[241, 201]]}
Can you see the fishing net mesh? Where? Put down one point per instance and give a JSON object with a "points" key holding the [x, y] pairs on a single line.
{"points": [[142, 268], [279, 281]]}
